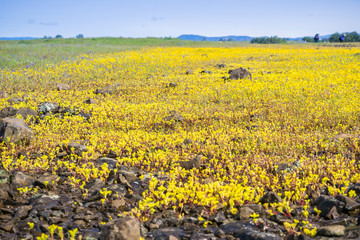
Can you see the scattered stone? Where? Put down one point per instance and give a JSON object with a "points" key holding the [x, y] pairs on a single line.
{"points": [[27, 112], [8, 112], [20, 179], [119, 204], [188, 72], [74, 148], [3, 94], [109, 161], [16, 100], [218, 217], [171, 233], [221, 65], [90, 101], [14, 130], [127, 228], [46, 181], [48, 107], [194, 163], [187, 141], [350, 204], [62, 86], [239, 73], [331, 231], [107, 90], [202, 236], [112, 154], [23, 211], [171, 85], [174, 116], [245, 212], [270, 197], [129, 176], [206, 72], [328, 206]]}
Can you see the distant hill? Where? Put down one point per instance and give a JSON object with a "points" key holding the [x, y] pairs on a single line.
{"points": [[17, 38], [192, 37]]}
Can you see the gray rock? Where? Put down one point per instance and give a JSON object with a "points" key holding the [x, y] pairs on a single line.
{"points": [[172, 85], [329, 206], [245, 212], [350, 204], [4, 196], [119, 204], [107, 90], [239, 73], [14, 130], [20, 179], [331, 231], [129, 176], [48, 107], [8, 112], [109, 161], [16, 100], [90, 101], [74, 148], [270, 197], [127, 228], [256, 235], [27, 112], [174, 116], [194, 163], [2, 94], [62, 86], [218, 217], [171, 233], [202, 236], [23, 211], [46, 180]]}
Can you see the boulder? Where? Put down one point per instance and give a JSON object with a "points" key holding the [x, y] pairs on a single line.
{"points": [[20, 179], [2, 94], [328, 206], [89, 101], [239, 73], [16, 100], [107, 90], [170, 233], [245, 212], [270, 197], [127, 228], [48, 107], [331, 231], [174, 116], [62, 86], [27, 112], [8, 112], [194, 163], [14, 130]]}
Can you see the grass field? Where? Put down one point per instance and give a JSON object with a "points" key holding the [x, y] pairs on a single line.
{"points": [[278, 132]]}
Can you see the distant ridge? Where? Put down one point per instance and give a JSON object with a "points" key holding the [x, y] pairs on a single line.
{"points": [[192, 37], [17, 38]]}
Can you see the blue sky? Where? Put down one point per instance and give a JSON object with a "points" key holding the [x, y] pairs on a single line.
{"points": [[164, 18]]}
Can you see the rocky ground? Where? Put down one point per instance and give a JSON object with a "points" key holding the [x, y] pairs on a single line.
{"points": [[32, 204], [28, 215]]}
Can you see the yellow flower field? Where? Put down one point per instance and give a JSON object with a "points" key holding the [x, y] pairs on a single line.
{"points": [[277, 132]]}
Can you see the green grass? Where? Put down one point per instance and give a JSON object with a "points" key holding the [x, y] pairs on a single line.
{"points": [[39, 52]]}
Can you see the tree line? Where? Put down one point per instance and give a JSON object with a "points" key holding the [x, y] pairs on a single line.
{"points": [[60, 36], [350, 37]]}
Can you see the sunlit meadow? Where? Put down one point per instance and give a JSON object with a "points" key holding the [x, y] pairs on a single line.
{"points": [[299, 99]]}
